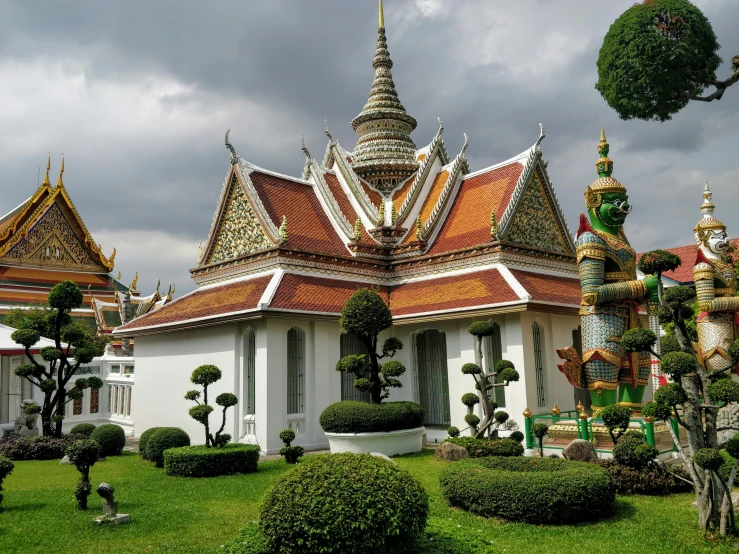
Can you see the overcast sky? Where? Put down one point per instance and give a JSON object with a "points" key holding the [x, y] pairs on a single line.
{"points": [[138, 95]]}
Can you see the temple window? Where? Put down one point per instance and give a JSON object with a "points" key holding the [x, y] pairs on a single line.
{"points": [[295, 370], [541, 396], [350, 344], [492, 349], [431, 386], [249, 368]]}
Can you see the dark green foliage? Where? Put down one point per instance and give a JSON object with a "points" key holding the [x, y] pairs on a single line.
{"points": [[472, 420], [6, 468], [65, 296], [34, 448], [635, 453], [344, 503], [508, 375], [50, 353], [162, 439], [657, 262], [353, 363], [481, 448], [616, 419], [656, 410], [708, 458], [481, 328], [728, 463], [25, 337], [534, 490], [724, 390], [362, 417], [32, 409], [501, 417], [678, 295], [391, 346], [517, 436], [471, 369], [365, 314], [654, 57], [144, 441], [287, 436], [85, 429], [226, 400], [470, 399], [83, 454], [732, 446], [290, 453], [205, 375], [653, 479], [668, 343], [111, 439], [502, 365], [26, 370], [671, 394], [453, 431], [392, 368], [249, 541], [677, 364], [638, 340], [201, 461], [539, 430], [734, 349]]}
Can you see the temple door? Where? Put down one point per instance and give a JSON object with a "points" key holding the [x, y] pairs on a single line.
{"points": [[432, 377]]}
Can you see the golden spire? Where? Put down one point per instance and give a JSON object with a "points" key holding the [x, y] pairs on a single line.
{"points": [[134, 282], [119, 276], [59, 182], [48, 167], [382, 17]]}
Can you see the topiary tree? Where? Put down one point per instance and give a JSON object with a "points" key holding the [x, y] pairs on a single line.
{"points": [[74, 345], [366, 315], [162, 439], [111, 438], [290, 453], [204, 376], [658, 56], [539, 430], [486, 382], [85, 429], [6, 468], [83, 454], [616, 419]]}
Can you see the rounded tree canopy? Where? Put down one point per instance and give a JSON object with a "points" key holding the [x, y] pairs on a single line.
{"points": [[25, 337], [655, 56], [508, 374], [200, 413], [656, 410], [226, 400], [732, 446], [48, 385], [75, 393], [658, 262], [471, 369], [503, 364], [365, 314], [679, 295], [539, 430], [671, 395], [50, 353], [676, 364], [65, 296], [84, 453], [392, 368], [724, 390], [501, 417], [616, 417], [638, 340], [470, 399], [472, 420], [205, 375], [708, 458], [353, 363], [481, 328], [95, 382], [391, 346]]}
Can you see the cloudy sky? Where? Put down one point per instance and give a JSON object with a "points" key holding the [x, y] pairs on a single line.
{"points": [[138, 95]]}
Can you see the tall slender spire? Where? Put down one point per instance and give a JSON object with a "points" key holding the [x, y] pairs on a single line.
{"points": [[59, 182], [48, 167], [385, 153]]}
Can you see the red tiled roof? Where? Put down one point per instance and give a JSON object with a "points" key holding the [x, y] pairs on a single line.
{"points": [[447, 293], [206, 302], [344, 204], [308, 226], [374, 196], [48, 278], [549, 288], [468, 222], [314, 294]]}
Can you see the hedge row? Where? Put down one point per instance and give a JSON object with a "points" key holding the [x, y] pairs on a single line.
{"points": [[534, 490], [201, 461], [35, 447], [480, 448], [362, 417]]}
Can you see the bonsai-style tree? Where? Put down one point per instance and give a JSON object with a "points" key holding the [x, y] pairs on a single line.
{"points": [[6, 468], [616, 419], [365, 315], [83, 454], [658, 56], [74, 345], [486, 382], [540, 431], [205, 375], [290, 453]]}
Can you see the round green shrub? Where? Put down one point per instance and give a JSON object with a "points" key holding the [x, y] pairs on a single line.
{"points": [[205, 375], [677, 364], [480, 448], [708, 458], [472, 420], [501, 417], [201, 461], [732, 446], [453, 431], [517, 436], [481, 328], [161, 440], [671, 394], [638, 340], [144, 440], [659, 261], [362, 417], [6, 468], [287, 436], [471, 369], [111, 439], [539, 430], [85, 429], [633, 453], [344, 503], [656, 410], [291, 453], [508, 375], [365, 314], [724, 390], [534, 490], [470, 399], [65, 296]]}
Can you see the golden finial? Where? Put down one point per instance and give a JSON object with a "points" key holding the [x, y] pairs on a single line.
{"points": [[382, 17], [59, 182], [134, 282], [583, 415], [282, 231], [119, 276], [493, 226], [48, 167], [357, 230], [579, 407], [527, 413], [603, 142], [419, 227], [555, 410]]}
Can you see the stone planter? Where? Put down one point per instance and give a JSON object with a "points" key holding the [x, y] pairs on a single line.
{"points": [[390, 444]]}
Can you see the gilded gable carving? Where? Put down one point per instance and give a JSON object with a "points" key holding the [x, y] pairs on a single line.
{"points": [[239, 230], [53, 242], [535, 223]]}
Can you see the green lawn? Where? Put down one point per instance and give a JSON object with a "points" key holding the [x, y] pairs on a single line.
{"points": [[199, 515]]}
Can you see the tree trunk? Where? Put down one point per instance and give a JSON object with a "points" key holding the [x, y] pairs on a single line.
{"points": [[61, 397], [375, 390]]}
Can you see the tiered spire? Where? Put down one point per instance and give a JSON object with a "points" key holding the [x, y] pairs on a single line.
{"points": [[708, 222], [385, 153]]}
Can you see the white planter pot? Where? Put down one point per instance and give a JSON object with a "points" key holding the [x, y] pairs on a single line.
{"points": [[390, 444]]}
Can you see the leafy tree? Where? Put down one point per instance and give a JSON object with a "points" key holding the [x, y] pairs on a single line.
{"points": [[206, 375], [74, 345], [486, 382], [83, 454], [657, 57], [366, 315], [616, 419], [540, 431]]}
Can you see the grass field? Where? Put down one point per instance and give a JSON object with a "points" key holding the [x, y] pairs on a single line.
{"points": [[199, 515]]}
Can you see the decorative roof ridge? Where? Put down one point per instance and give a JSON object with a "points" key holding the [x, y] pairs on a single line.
{"points": [[322, 187], [518, 158], [245, 165], [512, 266], [352, 179]]}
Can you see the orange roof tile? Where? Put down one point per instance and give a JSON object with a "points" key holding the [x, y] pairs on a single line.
{"points": [[30, 276], [344, 204], [207, 302], [401, 194], [433, 196], [549, 288], [468, 222], [374, 196], [421, 157], [308, 226], [447, 293], [314, 294]]}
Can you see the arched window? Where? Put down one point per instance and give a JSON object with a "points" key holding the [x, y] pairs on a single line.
{"points": [[250, 359], [431, 377], [493, 353], [350, 344], [295, 370], [541, 394]]}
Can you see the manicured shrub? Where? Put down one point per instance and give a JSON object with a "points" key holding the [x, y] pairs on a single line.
{"points": [[202, 461], [34, 448], [83, 454], [634, 452], [290, 453], [517, 436], [654, 479], [84, 429], [111, 439], [161, 440], [144, 440], [534, 490], [616, 419], [362, 417], [540, 430], [206, 375], [708, 458], [452, 431], [355, 503], [480, 448], [6, 468]]}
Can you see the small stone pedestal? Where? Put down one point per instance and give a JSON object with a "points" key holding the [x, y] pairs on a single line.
{"points": [[116, 519]]}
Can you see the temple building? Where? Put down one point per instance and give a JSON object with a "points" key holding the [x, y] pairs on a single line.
{"points": [[445, 245]]}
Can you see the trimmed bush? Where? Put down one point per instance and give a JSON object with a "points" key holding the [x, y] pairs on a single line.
{"points": [[480, 448], [534, 490], [355, 503], [34, 448], [290, 453], [84, 429], [144, 440], [201, 461], [652, 480], [634, 452], [517, 436], [361, 417], [111, 439], [161, 440], [6, 468]]}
